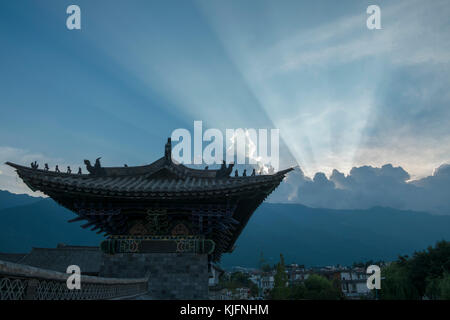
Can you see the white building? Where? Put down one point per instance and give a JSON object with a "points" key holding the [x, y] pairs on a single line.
{"points": [[242, 293], [354, 284], [267, 282], [214, 274]]}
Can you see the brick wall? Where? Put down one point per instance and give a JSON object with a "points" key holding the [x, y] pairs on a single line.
{"points": [[172, 275]]}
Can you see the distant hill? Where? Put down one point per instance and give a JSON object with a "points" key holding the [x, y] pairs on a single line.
{"points": [[304, 235], [9, 200], [41, 224], [324, 236]]}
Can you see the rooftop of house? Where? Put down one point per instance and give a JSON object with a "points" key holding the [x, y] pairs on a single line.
{"points": [[59, 258]]}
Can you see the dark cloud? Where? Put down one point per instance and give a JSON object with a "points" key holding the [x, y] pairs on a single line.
{"points": [[366, 187]]}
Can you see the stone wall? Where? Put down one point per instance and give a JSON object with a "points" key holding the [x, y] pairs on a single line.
{"points": [[19, 282], [172, 275]]}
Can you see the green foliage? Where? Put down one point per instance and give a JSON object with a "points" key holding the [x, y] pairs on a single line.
{"points": [[263, 265], [320, 288], [262, 261], [425, 274], [280, 290], [254, 290], [298, 292], [238, 280], [316, 287], [266, 268], [433, 288], [445, 287], [396, 284]]}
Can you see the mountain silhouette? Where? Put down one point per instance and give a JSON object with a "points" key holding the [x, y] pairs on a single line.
{"points": [[304, 235], [9, 200]]}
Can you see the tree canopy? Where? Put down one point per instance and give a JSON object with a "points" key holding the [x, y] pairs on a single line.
{"points": [[424, 275]]}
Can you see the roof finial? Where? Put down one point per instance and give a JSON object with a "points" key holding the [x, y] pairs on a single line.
{"points": [[168, 150]]}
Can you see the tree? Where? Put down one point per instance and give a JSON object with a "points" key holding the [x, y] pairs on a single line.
{"points": [[238, 280], [425, 274], [263, 265], [397, 284], [445, 287], [433, 288], [316, 287], [266, 268], [280, 290], [262, 261], [320, 288], [254, 290], [298, 292]]}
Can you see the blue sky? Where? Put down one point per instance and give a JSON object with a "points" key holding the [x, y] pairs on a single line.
{"points": [[341, 95]]}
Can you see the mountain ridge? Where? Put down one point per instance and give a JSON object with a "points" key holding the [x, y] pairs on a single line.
{"points": [[310, 236], [9, 200]]}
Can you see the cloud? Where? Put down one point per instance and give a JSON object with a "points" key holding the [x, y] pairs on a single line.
{"points": [[343, 95], [366, 186], [413, 33], [8, 177]]}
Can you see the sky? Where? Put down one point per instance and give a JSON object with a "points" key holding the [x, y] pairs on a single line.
{"points": [[342, 96], [366, 187]]}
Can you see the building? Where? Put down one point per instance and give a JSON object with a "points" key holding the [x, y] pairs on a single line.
{"points": [[215, 272], [267, 282], [242, 294], [354, 283], [164, 218], [89, 259]]}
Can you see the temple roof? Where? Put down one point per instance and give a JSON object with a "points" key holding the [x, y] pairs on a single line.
{"points": [[140, 186], [112, 199], [160, 178], [58, 259]]}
